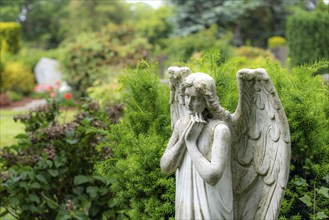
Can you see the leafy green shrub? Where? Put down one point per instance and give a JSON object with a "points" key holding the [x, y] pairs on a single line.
{"points": [[138, 141], [253, 53], [105, 93], [307, 34], [14, 96], [276, 41], [89, 57], [10, 37], [17, 77], [50, 172]]}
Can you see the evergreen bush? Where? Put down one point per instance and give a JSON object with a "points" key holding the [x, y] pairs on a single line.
{"points": [[307, 34], [138, 141], [10, 37]]}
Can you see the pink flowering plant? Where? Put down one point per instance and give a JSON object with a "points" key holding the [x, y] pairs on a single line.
{"points": [[64, 98]]}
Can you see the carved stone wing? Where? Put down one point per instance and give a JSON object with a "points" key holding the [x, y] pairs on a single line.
{"points": [[176, 77], [260, 148]]}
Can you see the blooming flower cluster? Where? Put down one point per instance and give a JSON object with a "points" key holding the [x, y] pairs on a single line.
{"points": [[60, 92]]}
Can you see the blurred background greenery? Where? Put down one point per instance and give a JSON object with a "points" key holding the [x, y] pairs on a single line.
{"points": [[95, 40], [117, 52]]}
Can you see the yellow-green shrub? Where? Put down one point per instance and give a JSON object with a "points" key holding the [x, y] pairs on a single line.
{"points": [[276, 41], [17, 77], [253, 52], [10, 37]]}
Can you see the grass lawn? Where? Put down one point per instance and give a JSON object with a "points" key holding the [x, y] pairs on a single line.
{"points": [[9, 128]]}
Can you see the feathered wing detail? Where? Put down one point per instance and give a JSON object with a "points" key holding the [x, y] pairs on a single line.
{"points": [[260, 148], [176, 77]]}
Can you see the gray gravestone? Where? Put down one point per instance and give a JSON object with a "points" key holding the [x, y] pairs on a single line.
{"points": [[46, 72]]}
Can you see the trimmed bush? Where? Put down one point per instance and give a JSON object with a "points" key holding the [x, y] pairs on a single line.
{"points": [[17, 77], [276, 41], [308, 38], [10, 37], [253, 53]]}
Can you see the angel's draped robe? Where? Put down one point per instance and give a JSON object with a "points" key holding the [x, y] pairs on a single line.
{"points": [[196, 199]]}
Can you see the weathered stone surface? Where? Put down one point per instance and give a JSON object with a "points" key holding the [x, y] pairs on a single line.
{"points": [[46, 72], [325, 78]]}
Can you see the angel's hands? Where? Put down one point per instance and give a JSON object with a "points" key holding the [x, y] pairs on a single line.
{"points": [[194, 129]]}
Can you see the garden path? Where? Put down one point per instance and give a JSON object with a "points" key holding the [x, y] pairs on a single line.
{"points": [[24, 104]]}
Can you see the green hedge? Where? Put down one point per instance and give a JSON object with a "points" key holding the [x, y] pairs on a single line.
{"points": [[10, 37], [308, 38]]}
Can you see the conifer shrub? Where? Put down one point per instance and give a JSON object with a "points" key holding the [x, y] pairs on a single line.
{"points": [[138, 141], [307, 34], [10, 37], [49, 173]]}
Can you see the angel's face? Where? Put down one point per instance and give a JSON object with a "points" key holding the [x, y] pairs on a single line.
{"points": [[194, 102]]}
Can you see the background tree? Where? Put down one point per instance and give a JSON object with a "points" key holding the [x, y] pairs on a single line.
{"points": [[88, 16], [9, 10], [307, 32], [39, 19], [154, 24], [267, 18]]}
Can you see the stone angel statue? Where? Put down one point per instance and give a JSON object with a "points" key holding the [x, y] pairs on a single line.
{"points": [[228, 166]]}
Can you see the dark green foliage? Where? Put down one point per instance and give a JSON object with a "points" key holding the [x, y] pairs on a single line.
{"points": [[266, 17], [10, 10], [193, 16], [182, 48], [138, 141], [308, 37], [50, 172]]}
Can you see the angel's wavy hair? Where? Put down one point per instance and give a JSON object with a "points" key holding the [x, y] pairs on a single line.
{"points": [[205, 85]]}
